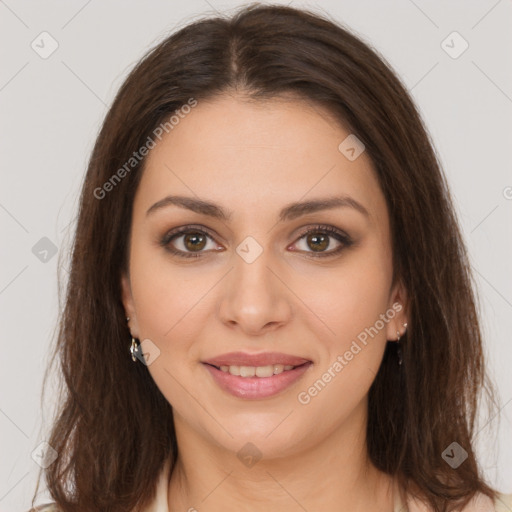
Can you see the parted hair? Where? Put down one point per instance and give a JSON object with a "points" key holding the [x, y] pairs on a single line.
{"points": [[113, 429]]}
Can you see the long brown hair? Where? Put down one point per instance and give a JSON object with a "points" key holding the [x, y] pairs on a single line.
{"points": [[114, 428]]}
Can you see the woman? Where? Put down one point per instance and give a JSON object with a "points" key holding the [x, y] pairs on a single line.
{"points": [[269, 304]]}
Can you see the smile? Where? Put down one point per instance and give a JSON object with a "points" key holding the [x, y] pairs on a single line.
{"points": [[257, 371], [256, 382]]}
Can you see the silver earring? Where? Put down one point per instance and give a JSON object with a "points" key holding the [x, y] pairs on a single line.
{"points": [[134, 349]]}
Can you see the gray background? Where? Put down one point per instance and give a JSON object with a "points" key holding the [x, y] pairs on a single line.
{"points": [[51, 110]]}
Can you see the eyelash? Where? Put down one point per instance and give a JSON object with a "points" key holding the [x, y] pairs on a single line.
{"points": [[319, 229]]}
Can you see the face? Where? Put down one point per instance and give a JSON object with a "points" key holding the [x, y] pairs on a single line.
{"points": [[261, 272]]}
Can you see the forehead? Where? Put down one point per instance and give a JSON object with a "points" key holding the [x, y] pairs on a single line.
{"points": [[246, 155]]}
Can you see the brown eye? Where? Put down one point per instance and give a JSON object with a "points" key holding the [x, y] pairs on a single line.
{"points": [[318, 242], [318, 239], [188, 242], [194, 241]]}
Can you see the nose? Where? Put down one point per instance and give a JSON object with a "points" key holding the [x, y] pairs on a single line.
{"points": [[255, 298]]}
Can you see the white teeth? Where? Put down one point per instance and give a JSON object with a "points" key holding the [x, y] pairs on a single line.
{"points": [[256, 371], [247, 371], [278, 368], [264, 371]]}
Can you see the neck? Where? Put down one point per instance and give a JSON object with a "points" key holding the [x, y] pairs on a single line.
{"points": [[333, 475]]}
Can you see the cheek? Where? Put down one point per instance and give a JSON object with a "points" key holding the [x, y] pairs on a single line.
{"points": [[166, 294], [350, 358], [171, 305], [351, 302], [348, 298]]}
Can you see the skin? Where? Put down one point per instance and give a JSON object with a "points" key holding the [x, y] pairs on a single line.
{"points": [[253, 159]]}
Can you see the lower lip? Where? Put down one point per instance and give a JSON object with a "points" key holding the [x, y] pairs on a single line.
{"points": [[256, 387]]}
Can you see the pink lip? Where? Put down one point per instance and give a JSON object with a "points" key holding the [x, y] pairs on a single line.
{"points": [[256, 387], [262, 359]]}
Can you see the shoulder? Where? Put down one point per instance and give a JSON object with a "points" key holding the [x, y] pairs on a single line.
{"points": [[503, 503], [47, 507], [479, 503], [482, 503]]}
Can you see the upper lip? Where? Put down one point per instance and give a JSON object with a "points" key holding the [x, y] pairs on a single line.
{"points": [[261, 359]]}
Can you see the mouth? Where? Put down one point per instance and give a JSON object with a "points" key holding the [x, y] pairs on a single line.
{"points": [[256, 382], [258, 360], [257, 371]]}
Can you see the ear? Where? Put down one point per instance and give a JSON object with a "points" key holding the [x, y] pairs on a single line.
{"points": [[398, 302], [129, 306]]}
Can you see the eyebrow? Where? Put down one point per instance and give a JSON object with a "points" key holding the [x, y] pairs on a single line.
{"points": [[289, 212]]}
